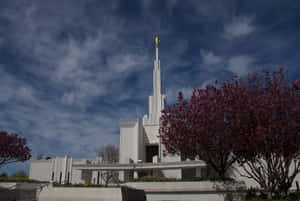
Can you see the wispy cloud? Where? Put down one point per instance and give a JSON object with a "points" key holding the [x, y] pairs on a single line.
{"points": [[71, 71], [238, 27], [172, 93], [207, 82], [240, 65], [209, 58]]}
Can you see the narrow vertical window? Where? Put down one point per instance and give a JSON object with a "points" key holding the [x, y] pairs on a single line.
{"points": [[52, 177], [60, 176], [68, 180]]}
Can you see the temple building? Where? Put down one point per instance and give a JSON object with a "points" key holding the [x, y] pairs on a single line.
{"points": [[139, 141], [141, 152]]}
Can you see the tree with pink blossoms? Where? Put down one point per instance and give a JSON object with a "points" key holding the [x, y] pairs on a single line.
{"points": [[200, 127], [253, 121], [13, 148], [268, 146]]}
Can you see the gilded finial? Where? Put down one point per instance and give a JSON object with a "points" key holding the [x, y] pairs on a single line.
{"points": [[156, 41]]}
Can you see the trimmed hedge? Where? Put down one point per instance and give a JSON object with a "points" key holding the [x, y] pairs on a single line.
{"points": [[84, 185], [164, 179], [20, 179]]}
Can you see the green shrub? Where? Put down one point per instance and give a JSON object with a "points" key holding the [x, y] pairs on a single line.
{"points": [[164, 179], [20, 174], [20, 179], [228, 197], [256, 198], [81, 185]]}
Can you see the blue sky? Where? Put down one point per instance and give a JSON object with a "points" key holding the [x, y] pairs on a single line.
{"points": [[71, 71]]}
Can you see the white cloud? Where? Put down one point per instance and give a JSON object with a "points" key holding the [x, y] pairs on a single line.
{"points": [[210, 61], [209, 58], [7, 87], [212, 10], [187, 92], [207, 82], [25, 93], [239, 26], [77, 72], [239, 65], [13, 89], [68, 98], [126, 62], [172, 94]]}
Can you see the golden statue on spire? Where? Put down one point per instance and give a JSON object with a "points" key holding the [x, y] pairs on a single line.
{"points": [[156, 41]]}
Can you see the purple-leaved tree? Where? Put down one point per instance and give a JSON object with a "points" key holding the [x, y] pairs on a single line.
{"points": [[13, 149], [253, 121]]}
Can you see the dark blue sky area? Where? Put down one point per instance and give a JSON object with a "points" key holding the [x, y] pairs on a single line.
{"points": [[71, 71]]}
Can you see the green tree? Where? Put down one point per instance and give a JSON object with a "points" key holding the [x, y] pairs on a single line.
{"points": [[39, 156], [20, 173], [3, 175]]}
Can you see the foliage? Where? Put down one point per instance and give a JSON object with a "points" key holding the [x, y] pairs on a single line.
{"points": [[20, 174], [268, 131], [165, 179], [3, 175], [228, 197], [263, 197], [152, 179], [109, 176], [47, 158], [81, 185], [39, 156], [20, 179], [200, 128], [253, 121], [13, 148]]}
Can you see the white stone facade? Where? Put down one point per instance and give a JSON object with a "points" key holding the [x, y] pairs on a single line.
{"points": [[60, 170]]}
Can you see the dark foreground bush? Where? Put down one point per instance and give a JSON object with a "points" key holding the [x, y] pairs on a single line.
{"points": [[260, 196]]}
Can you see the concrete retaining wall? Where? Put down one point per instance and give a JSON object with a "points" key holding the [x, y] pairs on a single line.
{"points": [[202, 186], [195, 196], [17, 194], [91, 194], [182, 191], [19, 191]]}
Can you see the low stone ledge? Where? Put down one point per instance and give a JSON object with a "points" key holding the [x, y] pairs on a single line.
{"points": [[202, 186], [91, 194]]}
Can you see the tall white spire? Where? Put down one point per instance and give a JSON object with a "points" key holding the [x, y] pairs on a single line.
{"points": [[156, 46], [156, 72], [156, 102]]}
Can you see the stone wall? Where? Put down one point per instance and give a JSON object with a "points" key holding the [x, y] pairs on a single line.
{"points": [[201, 186], [17, 194], [91, 194]]}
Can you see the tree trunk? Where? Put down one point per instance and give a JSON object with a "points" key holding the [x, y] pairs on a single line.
{"points": [[269, 195]]}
